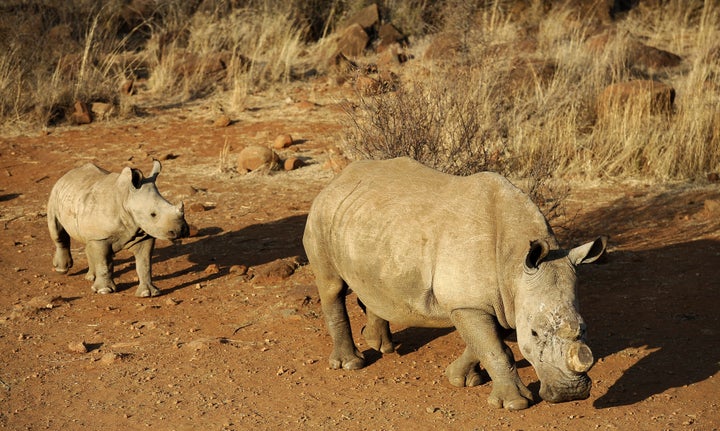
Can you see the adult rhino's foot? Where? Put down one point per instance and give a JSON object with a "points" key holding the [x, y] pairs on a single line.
{"points": [[510, 395], [378, 337], [146, 291], [351, 361], [464, 371], [463, 375]]}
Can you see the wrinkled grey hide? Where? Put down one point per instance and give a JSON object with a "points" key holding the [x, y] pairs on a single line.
{"points": [[422, 248], [110, 212]]}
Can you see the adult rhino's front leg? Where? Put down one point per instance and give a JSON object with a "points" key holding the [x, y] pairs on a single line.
{"points": [[332, 290], [143, 254], [478, 330]]}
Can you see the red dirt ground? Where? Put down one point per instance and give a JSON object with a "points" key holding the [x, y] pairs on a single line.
{"points": [[220, 350]]}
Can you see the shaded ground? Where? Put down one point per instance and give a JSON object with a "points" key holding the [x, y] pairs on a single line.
{"points": [[223, 350]]}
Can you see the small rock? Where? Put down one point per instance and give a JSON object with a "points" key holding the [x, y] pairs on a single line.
{"points": [[256, 157], [282, 141], [238, 269], [712, 208], [102, 110], [78, 347], [110, 358], [172, 301], [193, 230], [81, 114], [212, 269], [275, 271], [197, 207], [293, 163], [222, 121]]}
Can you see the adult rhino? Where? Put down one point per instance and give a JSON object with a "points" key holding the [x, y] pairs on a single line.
{"points": [[422, 248]]}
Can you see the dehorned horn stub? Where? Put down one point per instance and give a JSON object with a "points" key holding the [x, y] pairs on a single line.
{"points": [[579, 357]]}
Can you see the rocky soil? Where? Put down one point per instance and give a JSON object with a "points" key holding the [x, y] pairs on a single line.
{"points": [[237, 340]]}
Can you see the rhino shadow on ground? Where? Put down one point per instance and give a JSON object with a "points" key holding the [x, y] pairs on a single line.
{"points": [[654, 305], [659, 306], [250, 246]]}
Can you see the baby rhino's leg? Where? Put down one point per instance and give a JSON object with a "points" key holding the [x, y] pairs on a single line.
{"points": [[62, 261]]}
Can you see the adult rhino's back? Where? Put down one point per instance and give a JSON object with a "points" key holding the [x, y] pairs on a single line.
{"points": [[399, 234]]}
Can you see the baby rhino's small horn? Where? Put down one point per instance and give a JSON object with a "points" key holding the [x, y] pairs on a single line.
{"points": [[579, 357]]}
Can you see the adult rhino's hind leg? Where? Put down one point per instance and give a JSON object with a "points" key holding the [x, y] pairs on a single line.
{"points": [[377, 333], [62, 260], [332, 290]]}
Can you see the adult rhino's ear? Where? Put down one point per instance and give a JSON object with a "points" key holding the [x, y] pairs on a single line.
{"points": [[131, 177], [157, 167], [539, 249], [588, 253]]}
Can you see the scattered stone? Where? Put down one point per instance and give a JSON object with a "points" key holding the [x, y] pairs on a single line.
{"points": [[193, 230], [712, 208], [282, 141], [642, 96], [212, 269], [201, 343], [111, 358], [293, 163], [197, 207], [222, 121], [239, 269], [78, 347], [366, 18], [352, 41], [255, 157], [651, 59], [274, 271], [81, 114], [388, 36], [172, 301], [102, 110]]}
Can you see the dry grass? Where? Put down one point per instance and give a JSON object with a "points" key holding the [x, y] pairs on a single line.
{"points": [[525, 103], [537, 106]]}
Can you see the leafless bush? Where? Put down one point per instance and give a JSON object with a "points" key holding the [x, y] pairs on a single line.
{"points": [[450, 124]]}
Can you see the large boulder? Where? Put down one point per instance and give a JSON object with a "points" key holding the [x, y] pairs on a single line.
{"points": [[642, 97]]}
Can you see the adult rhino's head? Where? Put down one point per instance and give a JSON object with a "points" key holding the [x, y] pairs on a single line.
{"points": [[550, 331], [150, 211]]}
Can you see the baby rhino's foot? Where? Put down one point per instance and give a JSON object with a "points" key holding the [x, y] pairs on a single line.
{"points": [[62, 262]]}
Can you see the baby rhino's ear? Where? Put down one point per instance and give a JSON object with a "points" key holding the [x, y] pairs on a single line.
{"points": [[588, 253], [131, 178]]}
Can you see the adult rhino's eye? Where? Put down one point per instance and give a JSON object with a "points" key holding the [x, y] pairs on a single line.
{"points": [[153, 215], [534, 334]]}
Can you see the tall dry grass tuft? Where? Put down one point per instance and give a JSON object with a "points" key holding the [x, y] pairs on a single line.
{"points": [[531, 83]]}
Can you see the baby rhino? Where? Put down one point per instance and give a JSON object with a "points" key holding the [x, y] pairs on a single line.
{"points": [[111, 212]]}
